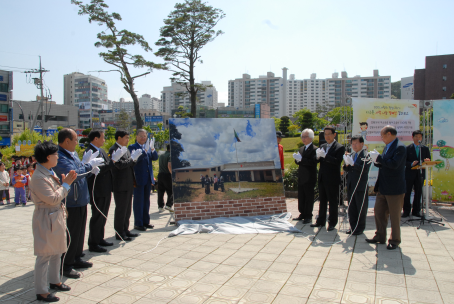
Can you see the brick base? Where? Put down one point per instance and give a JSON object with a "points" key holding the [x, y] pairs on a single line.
{"points": [[229, 208]]}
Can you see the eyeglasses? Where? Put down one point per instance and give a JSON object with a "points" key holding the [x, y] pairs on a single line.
{"points": [[304, 136]]}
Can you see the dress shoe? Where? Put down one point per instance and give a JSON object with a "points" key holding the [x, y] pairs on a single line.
{"points": [[72, 274], [374, 241], [392, 246], [317, 225], [83, 264], [96, 248], [49, 298], [125, 238], [105, 243], [61, 287], [82, 255], [307, 221], [330, 228], [299, 218], [140, 228], [348, 231], [418, 214], [405, 214], [149, 226], [132, 234]]}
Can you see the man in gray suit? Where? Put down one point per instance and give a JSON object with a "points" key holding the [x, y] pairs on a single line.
{"points": [[390, 188]]}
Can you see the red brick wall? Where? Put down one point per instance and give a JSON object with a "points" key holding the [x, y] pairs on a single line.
{"points": [[244, 207]]}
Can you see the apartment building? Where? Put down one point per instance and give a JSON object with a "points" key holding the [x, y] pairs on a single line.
{"points": [[176, 95], [436, 81], [146, 102]]}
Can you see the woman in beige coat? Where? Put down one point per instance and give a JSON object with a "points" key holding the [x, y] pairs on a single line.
{"points": [[49, 218]]}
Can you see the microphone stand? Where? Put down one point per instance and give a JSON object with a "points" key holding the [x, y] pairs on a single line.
{"points": [[423, 218]]}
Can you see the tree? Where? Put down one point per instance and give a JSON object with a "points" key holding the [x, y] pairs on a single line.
{"points": [[186, 31], [293, 129], [116, 41], [338, 114], [440, 165], [123, 120], [307, 121], [277, 123], [447, 153], [110, 133], [285, 123], [176, 148]]}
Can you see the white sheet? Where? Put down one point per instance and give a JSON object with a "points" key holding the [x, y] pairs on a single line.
{"points": [[238, 225]]}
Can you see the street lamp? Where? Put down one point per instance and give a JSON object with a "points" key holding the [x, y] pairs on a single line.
{"points": [[23, 116]]}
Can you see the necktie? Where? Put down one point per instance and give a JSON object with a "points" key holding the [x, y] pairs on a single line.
{"points": [[356, 156], [385, 149], [417, 151]]}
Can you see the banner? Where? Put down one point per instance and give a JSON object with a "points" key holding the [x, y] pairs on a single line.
{"points": [[443, 150], [370, 115]]}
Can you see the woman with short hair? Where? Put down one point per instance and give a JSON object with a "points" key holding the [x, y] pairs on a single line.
{"points": [[49, 218]]}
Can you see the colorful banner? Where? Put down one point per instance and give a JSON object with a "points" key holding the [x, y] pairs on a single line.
{"points": [[443, 150], [370, 115]]}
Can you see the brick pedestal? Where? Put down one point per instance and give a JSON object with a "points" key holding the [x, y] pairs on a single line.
{"points": [[229, 208]]}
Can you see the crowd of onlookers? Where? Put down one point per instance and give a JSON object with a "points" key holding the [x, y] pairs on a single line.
{"points": [[17, 176]]}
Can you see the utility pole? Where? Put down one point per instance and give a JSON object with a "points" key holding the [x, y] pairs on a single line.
{"points": [[39, 84]]}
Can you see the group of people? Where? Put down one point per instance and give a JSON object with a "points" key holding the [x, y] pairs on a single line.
{"points": [[216, 182], [395, 183], [21, 171], [63, 186]]}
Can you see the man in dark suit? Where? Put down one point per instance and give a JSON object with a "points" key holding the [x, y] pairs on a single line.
{"points": [[100, 196], [357, 186], [390, 188], [123, 187], [415, 152], [307, 176], [330, 157], [143, 171], [76, 201]]}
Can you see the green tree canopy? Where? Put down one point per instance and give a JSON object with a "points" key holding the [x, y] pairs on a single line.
{"points": [[186, 31], [176, 148], [338, 114], [285, 123], [116, 41]]}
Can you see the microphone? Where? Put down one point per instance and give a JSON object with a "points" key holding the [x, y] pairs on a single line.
{"points": [[419, 141]]}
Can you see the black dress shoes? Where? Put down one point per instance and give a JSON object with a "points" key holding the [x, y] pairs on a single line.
{"points": [[105, 243], [140, 228], [317, 225], [124, 237], [83, 264], [330, 228], [49, 298], [299, 218], [418, 214], [132, 234], [149, 226], [72, 274], [392, 246], [61, 287], [307, 221], [96, 248], [374, 241], [405, 214]]}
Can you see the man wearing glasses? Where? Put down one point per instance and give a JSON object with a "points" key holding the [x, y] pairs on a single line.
{"points": [[330, 156], [307, 176]]}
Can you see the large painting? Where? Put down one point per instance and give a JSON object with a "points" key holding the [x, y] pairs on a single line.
{"points": [[215, 159]]}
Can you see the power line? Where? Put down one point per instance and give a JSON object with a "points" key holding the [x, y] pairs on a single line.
{"points": [[14, 67]]}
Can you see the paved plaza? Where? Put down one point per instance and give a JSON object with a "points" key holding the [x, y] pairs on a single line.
{"points": [[252, 268]]}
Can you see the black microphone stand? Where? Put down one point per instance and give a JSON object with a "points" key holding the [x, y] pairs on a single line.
{"points": [[423, 218]]}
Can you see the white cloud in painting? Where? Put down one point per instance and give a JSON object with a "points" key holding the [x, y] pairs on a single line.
{"points": [[211, 142]]}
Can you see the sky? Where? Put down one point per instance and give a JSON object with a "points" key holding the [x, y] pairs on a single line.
{"points": [[211, 142], [305, 36]]}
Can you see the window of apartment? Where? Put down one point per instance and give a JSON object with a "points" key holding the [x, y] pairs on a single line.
{"points": [[444, 78], [444, 89], [445, 66]]}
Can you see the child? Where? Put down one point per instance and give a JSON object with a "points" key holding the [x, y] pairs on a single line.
{"points": [[4, 184], [19, 181], [28, 175]]}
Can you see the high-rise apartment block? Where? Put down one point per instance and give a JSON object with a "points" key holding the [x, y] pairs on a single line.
{"points": [[146, 102], [6, 87], [89, 94], [407, 88], [268, 89], [127, 106], [286, 96], [176, 95], [436, 81]]}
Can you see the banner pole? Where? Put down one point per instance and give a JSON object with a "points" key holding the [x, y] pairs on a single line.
{"points": [[236, 151]]}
